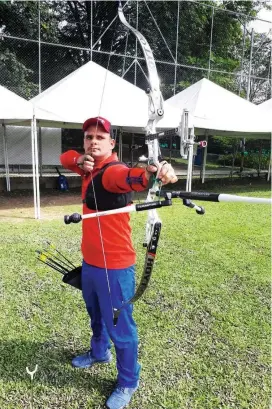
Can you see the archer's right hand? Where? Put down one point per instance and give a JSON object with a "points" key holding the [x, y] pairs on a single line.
{"points": [[86, 162]]}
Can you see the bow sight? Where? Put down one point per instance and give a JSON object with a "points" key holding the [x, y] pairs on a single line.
{"points": [[185, 132]]}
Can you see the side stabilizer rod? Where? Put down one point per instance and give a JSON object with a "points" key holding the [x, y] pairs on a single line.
{"points": [[217, 197]]}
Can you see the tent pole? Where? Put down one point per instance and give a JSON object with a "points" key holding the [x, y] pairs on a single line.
{"points": [[131, 150], [120, 153], [33, 167], [118, 144], [170, 151], [6, 157], [36, 158], [40, 150], [269, 168]]}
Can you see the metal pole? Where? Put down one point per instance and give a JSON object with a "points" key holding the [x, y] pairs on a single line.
{"points": [[33, 167], [6, 157], [269, 168], [120, 148], [131, 151], [190, 165], [121, 143], [136, 44], [204, 161], [40, 149], [242, 60], [170, 151], [36, 158], [248, 96], [211, 37], [176, 59], [270, 69], [91, 45], [124, 60], [250, 64], [39, 45], [259, 158]]}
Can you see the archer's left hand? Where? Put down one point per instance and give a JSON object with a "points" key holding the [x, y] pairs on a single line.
{"points": [[164, 171]]}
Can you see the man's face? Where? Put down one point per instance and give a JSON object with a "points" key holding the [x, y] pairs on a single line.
{"points": [[97, 142]]}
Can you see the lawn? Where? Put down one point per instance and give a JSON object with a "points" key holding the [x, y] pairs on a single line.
{"points": [[204, 322]]}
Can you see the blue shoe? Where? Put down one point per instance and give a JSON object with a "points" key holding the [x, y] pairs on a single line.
{"points": [[120, 397], [87, 360]]}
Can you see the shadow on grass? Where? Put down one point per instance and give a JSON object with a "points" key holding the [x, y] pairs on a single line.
{"points": [[54, 366], [21, 199], [5, 216]]}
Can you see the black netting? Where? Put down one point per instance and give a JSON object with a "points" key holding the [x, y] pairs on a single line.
{"points": [[189, 43], [43, 42]]}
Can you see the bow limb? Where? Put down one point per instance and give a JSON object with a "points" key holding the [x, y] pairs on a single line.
{"points": [[155, 113], [155, 99]]}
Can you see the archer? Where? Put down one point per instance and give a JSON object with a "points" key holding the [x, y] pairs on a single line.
{"points": [[108, 267]]}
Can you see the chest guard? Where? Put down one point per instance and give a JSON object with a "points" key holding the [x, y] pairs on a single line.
{"points": [[105, 200]]}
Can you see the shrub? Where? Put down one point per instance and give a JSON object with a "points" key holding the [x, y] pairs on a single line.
{"points": [[251, 160]]}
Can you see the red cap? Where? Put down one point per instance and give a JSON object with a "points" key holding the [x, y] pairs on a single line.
{"points": [[98, 120]]}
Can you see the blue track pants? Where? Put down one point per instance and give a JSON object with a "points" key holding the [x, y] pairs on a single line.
{"points": [[99, 303]]}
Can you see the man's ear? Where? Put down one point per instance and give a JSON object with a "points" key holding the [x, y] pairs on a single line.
{"points": [[113, 143]]}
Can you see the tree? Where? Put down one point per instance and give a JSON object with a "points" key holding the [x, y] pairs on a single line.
{"points": [[67, 35], [15, 75], [260, 90]]}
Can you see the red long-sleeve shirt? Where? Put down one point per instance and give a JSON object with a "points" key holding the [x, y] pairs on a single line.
{"points": [[115, 229]]}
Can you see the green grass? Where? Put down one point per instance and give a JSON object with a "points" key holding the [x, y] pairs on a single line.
{"points": [[204, 322]]}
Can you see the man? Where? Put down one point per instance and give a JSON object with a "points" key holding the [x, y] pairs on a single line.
{"points": [[108, 272]]}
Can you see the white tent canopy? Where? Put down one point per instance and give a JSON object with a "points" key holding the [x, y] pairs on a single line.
{"points": [[16, 110], [91, 91], [217, 111], [266, 108]]}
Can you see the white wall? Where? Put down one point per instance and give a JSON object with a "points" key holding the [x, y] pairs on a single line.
{"points": [[51, 146], [19, 145]]}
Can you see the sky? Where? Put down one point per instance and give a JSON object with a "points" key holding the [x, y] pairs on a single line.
{"points": [[261, 26]]}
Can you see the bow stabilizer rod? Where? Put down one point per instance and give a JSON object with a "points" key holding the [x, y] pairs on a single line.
{"points": [[76, 217], [218, 197]]}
